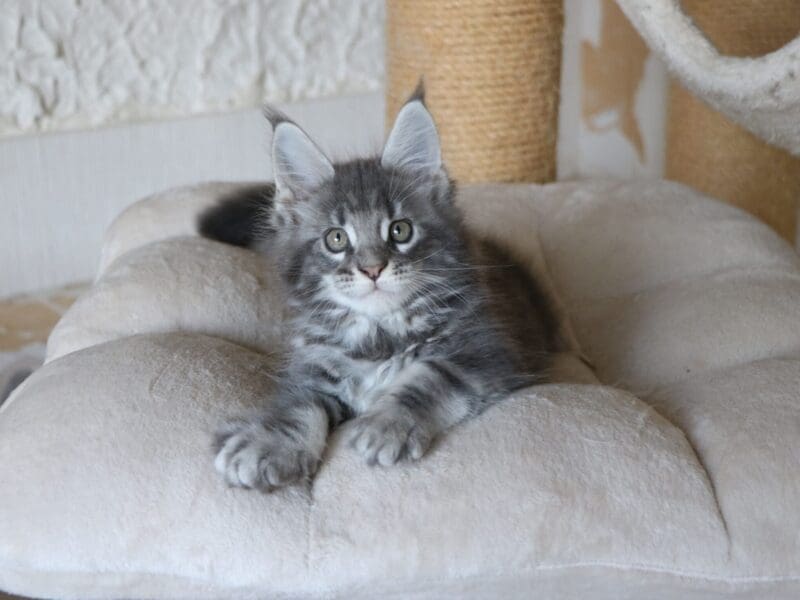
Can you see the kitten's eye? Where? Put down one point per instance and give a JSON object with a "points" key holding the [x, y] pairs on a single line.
{"points": [[336, 239], [400, 231]]}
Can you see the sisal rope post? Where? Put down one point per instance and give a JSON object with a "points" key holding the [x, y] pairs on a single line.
{"points": [[716, 156], [491, 72]]}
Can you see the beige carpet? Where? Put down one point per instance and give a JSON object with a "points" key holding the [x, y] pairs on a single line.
{"points": [[25, 323]]}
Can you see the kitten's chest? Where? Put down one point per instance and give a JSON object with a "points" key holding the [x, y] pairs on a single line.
{"points": [[363, 359], [363, 338], [370, 380], [357, 382]]}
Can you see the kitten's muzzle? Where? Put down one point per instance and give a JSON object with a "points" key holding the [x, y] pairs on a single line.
{"points": [[373, 271]]}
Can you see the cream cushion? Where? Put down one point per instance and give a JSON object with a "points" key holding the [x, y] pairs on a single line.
{"points": [[674, 473]]}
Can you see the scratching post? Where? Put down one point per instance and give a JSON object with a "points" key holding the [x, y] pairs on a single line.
{"points": [[491, 74], [711, 153]]}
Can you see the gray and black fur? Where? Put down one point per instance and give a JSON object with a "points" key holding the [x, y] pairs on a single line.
{"points": [[403, 338]]}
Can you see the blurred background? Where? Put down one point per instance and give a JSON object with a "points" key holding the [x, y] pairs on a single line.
{"points": [[103, 102]]}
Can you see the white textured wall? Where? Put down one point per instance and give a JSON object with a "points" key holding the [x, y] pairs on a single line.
{"points": [[74, 64]]}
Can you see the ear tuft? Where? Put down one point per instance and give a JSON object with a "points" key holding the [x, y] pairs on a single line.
{"points": [[419, 92], [274, 115], [413, 143], [298, 163]]}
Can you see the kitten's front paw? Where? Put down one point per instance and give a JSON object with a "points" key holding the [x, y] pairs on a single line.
{"points": [[251, 456], [389, 435]]}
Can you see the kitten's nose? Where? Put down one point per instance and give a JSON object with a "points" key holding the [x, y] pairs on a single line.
{"points": [[373, 272]]}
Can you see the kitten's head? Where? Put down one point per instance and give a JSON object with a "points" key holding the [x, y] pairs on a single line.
{"points": [[371, 235]]}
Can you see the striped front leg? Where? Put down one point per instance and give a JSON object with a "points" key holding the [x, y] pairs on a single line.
{"points": [[426, 398]]}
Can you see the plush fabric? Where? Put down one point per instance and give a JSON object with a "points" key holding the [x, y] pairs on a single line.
{"points": [[178, 284], [160, 216], [576, 489], [760, 93]]}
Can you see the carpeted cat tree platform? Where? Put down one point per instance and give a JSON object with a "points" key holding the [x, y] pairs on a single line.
{"points": [[670, 470]]}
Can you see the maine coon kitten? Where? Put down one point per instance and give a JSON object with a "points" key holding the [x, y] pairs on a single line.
{"points": [[394, 324]]}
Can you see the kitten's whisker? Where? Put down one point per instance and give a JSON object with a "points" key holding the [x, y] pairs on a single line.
{"points": [[432, 254], [433, 285], [470, 268]]}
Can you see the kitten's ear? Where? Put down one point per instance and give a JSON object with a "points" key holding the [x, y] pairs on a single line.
{"points": [[299, 165], [413, 143]]}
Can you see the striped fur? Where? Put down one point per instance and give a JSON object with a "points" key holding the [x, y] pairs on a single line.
{"points": [[403, 357]]}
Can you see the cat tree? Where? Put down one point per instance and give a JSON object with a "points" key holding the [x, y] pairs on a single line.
{"points": [[713, 154], [492, 72]]}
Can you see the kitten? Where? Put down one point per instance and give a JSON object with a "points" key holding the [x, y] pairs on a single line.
{"points": [[393, 325]]}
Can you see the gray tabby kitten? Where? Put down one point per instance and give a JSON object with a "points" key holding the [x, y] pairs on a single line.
{"points": [[393, 325]]}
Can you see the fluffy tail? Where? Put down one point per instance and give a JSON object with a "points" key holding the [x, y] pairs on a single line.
{"points": [[240, 218]]}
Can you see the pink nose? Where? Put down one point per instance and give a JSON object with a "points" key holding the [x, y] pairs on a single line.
{"points": [[373, 272]]}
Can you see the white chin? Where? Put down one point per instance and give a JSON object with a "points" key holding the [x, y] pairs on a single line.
{"points": [[373, 303], [377, 302]]}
